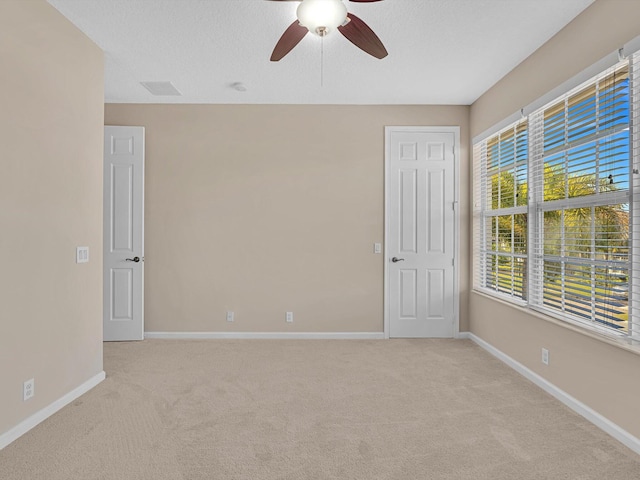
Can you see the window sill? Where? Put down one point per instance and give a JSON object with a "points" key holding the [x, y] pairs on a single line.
{"points": [[592, 332]]}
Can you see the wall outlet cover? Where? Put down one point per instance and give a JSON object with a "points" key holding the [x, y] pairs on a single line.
{"points": [[28, 389]]}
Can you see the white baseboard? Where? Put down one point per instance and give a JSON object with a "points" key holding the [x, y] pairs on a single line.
{"points": [[574, 404], [266, 335], [38, 417]]}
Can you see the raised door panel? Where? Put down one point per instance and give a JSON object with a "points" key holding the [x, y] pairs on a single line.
{"points": [[408, 227], [121, 198]]}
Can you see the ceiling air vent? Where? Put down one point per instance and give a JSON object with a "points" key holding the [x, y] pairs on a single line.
{"points": [[161, 88]]}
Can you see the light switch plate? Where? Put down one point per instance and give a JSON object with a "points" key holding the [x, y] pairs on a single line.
{"points": [[377, 248], [82, 255]]}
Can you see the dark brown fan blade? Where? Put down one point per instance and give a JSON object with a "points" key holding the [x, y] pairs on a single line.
{"points": [[365, 1], [359, 33], [289, 39]]}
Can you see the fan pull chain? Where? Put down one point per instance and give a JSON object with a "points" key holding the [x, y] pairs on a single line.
{"points": [[322, 61]]}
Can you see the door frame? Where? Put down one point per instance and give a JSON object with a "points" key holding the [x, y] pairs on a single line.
{"points": [[388, 130]]}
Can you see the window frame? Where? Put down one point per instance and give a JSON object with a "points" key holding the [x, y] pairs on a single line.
{"points": [[536, 206]]}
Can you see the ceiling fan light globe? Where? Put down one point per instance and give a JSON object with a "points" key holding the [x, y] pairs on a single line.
{"points": [[321, 16]]}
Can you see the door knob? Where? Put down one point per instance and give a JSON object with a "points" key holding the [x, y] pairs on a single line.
{"points": [[134, 259], [396, 259]]}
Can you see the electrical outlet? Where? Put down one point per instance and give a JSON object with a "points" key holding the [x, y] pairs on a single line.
{"points": [[28, 389], [230, 317], [545, 356], [289, 317]]}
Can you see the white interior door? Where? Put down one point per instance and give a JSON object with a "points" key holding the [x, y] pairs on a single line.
{"points": [[421, 224], [123, 233]]}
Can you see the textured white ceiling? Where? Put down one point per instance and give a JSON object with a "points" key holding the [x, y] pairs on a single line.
{"points": [[440, 51]]}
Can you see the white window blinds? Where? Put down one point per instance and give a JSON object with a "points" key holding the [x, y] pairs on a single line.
{"points": [[502, 223], [580, 198], [557, 206]]}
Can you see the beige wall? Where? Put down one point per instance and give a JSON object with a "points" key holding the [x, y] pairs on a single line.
{"points": [[603, 376], [601, 29], [51, 117], [600, 375], [268, 209]]}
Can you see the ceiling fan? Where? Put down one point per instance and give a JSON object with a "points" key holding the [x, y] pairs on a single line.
{"points": [[321, 17]]}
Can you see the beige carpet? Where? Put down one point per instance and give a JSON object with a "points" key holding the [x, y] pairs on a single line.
{"points": [[313, 409]]}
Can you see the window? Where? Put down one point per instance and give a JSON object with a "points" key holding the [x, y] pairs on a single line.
{"points": [[504, 222], [553, 206], [581, 240]]}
